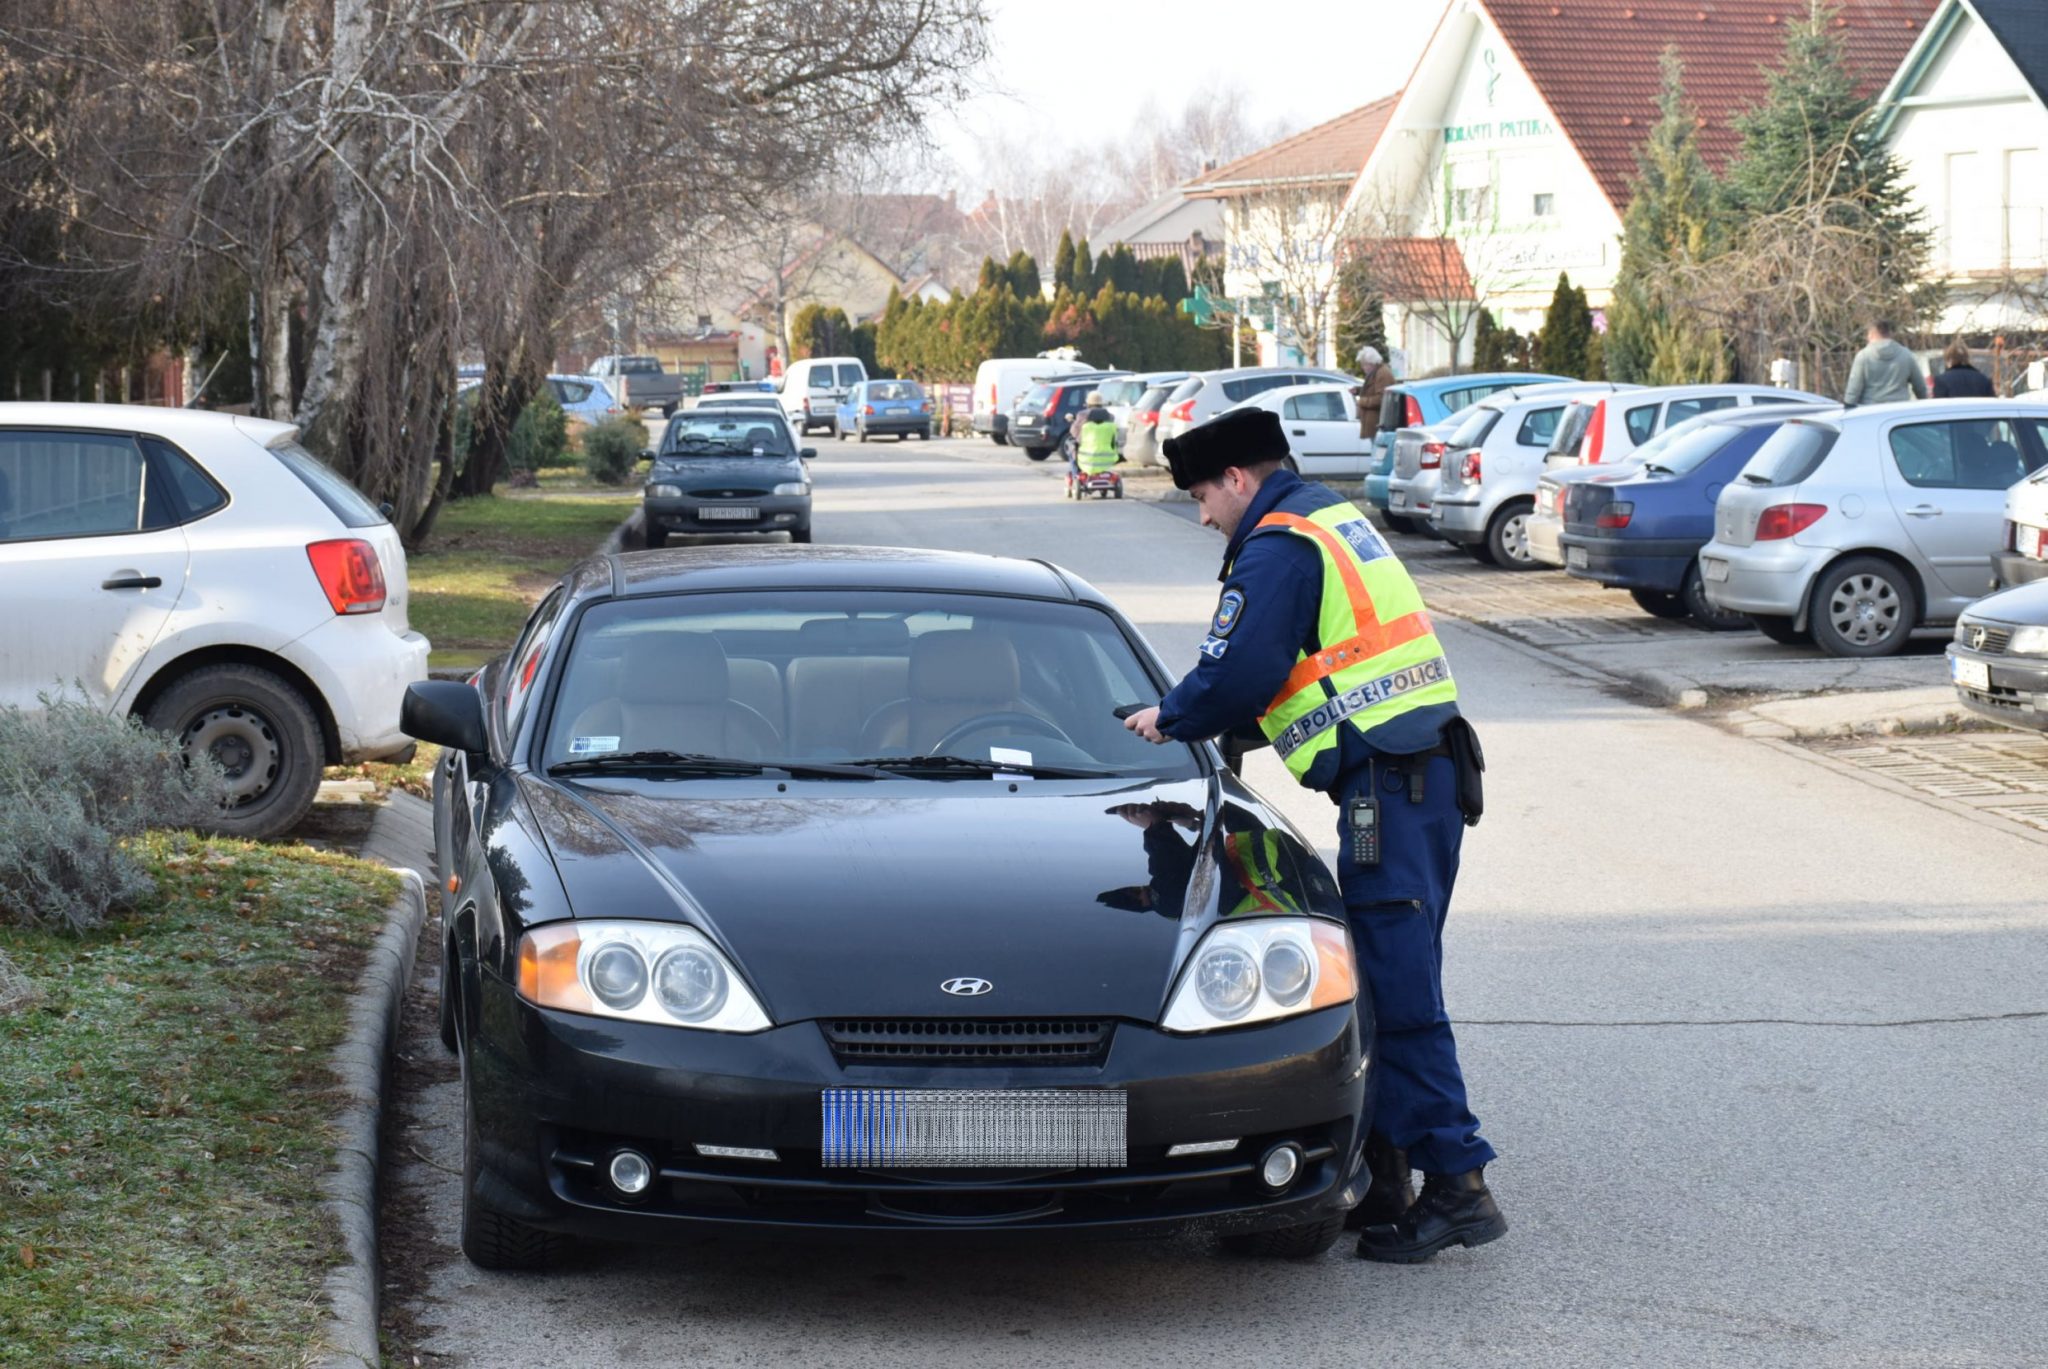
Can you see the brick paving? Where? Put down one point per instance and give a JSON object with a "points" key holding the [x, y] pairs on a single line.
{"points": [[2003, 771]]}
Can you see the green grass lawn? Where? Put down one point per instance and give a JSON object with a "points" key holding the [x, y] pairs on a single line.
{"points": [[163, 1112], [489, 560]]}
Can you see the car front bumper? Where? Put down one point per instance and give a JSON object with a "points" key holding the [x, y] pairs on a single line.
{"points": [[1628, 563], [1770, 580], [2017, 692], [896, 423], [2011, 569], [777, 513], [1031, 432], [557, 1093]]}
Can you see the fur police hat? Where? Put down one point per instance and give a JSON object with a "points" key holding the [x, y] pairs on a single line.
{"points": [[1241, 437]]}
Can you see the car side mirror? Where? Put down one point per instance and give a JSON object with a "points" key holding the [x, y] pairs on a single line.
{"points": [[445, 712], [807, 452]]}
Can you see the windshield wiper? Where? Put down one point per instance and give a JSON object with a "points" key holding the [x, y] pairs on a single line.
{"points": [[696, 763], [969, 765], [1661, 470]]}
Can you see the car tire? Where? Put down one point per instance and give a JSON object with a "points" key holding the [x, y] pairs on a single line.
{"points": [[861, 434], [655, 538], [925, 435], [1507, 536], [1000, 439], [1693, 593], [491, 1239], [1288, 1242], [1660, 604], [801, 536], [838, 433], [668, 411], [1038, 453], [256, 719], [1863, 606], [1779, 628]]}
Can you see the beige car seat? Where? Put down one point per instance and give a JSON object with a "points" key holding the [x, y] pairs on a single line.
{"points": [[954, 676], [675, 694]]}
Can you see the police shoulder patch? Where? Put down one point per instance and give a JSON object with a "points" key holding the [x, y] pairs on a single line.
{"points": [[1229, 609]]}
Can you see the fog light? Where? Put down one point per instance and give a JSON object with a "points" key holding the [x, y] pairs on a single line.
{"points": [[1280, 1166], [630, 1173]]}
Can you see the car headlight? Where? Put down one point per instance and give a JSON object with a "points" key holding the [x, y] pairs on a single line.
{"points": [[2029, 641], [792, 487], [1262, 968], [664, 491], [657, 972]]}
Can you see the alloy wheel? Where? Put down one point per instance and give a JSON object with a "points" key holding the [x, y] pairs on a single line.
{"points": [[1864, 609]]}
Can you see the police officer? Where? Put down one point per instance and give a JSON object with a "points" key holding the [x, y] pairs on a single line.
{"points": [[1320, 635]]}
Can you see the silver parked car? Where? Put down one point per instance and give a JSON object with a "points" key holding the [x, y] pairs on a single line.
{"points": [[1860, 526], [1608, 429], [1420, 453], [1201, 397], [1487, 473]]}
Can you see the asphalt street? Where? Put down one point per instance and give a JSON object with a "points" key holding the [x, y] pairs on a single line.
{"points": [[1760, 1044]]}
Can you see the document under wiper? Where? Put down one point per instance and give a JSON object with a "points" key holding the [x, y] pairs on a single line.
{"points": [[697, 763], [970, 765]]}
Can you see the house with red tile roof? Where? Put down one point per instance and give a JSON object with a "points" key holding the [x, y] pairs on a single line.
{"points": [[1516, 135]]}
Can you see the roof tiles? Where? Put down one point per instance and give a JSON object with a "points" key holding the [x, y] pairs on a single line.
{"points": [[1331, 151]]}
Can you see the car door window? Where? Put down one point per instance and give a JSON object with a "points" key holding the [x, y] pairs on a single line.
{"points": [[187, 487], [1539, 426], [69, 484], [1680, 410], [570, 391], [1976, 454], [1324, 407], [523, 665], [1642, 423]]}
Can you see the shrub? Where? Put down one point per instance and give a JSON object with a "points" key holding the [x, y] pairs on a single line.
{"points": [[540, 435], [16, 989], [612, 449], [75, 784]]}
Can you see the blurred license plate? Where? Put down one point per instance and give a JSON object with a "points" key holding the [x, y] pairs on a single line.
{"points": [[1575, 556], [1713, 569], [973, 1128], [1397, 500], [1970, 674], [735, 512]]}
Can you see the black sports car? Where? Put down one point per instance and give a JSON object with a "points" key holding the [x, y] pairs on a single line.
{"points": [[802, 889]]}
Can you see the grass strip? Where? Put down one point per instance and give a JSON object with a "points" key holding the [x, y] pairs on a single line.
{"points": [[164, 1108]]}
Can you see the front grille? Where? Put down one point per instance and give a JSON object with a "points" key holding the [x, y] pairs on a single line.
{"points": [[727, 494], [953, 1040], [1992, 641]]}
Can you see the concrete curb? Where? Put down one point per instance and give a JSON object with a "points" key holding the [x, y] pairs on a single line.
{"points": [[348, 1331]]}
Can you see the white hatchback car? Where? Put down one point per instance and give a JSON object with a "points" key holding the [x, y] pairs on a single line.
{"points": [[207, 574], [1321, 423]]}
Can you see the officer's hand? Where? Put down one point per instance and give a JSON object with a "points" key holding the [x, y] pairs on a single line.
{"points": [[1139, 815], [1145, 723]]}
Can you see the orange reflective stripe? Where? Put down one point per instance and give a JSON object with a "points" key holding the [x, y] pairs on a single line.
{"points": [[1347, 565], [1378, 638]]}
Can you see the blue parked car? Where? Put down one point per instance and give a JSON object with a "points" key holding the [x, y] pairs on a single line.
{"points": [[1643, 533], [1419, 403], [884, 406], [584, 399]]}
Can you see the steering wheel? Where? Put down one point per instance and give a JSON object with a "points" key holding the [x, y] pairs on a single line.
{"points": [[1028, 722]]}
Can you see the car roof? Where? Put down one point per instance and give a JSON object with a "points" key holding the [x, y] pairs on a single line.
{"points": [[1731, 387], [1761, 413], [1468, 378], [1553, 389], [1946, 408], [837, 567], [157, 420]]}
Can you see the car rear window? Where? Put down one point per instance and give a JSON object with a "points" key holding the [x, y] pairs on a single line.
{"points": [[1152, 398], [1187, 389], [571, 391], [639, 366], [1393, 407], [850, 375], [1790, 454], [1475, 428], [820, 378], [342, 499], [1689, 449], [1571, 429], [1245, 387]]}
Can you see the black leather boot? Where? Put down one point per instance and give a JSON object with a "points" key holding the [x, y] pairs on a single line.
{"points": [[1393, 1186], [1454, 1209]]}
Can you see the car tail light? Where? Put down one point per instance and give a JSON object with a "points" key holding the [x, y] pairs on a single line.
{"points": [[1183, 412], [348, 571], [1468, 470], [1146, 418], [925, 407], [1596, 434], [1411, 412], [868, 409], [1615, 515], [1787, 520], [1052, 401], [1432, 455]]}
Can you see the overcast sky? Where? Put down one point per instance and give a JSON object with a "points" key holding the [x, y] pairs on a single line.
{"points": [[1082, 69]]}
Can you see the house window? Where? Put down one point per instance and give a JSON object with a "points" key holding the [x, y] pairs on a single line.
{"points": [[1543, 206], [1470, 205]]}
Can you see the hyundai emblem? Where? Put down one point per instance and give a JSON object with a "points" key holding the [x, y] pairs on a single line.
{"points": [[966, 986]]}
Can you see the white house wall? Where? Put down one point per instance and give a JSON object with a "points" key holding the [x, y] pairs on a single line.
{"points": [[1972, 138]]}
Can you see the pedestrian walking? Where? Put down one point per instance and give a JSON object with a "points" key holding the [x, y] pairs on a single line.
{"points": [[1883, 371], [1320, 637], [1959, 379], [1370, 390]]}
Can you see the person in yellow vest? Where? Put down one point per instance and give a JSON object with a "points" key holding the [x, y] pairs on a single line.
{"points": [[1094, 430], [1320, 636]]}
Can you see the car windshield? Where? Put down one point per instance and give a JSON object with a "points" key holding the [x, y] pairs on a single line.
{"points": [[1037, 397], [895, 389], [726, 430], [1686, 450], [821, 676], [1790, 454]]}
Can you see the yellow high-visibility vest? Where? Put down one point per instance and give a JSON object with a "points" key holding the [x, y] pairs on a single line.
{"points": [[1380, 656], [1096, 450]]}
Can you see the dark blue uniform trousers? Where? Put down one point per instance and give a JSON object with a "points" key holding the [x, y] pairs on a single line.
{"points": [[1397, 910]]}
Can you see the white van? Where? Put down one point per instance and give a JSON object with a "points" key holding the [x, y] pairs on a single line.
{"points": [[997, 384], [813, 387]]}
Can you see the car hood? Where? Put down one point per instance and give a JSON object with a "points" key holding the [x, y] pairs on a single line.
{"points": [[860, 899], [722, 468]]}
